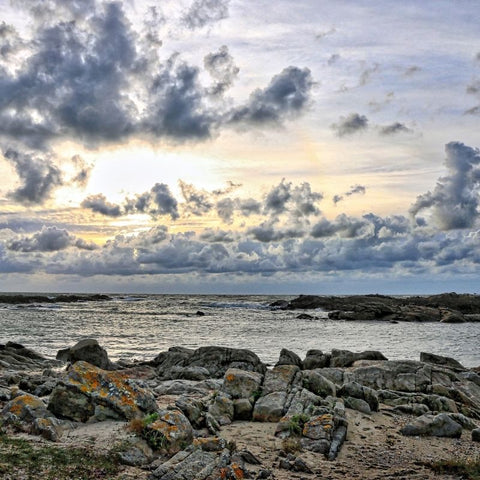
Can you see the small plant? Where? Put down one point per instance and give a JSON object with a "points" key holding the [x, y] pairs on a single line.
{"points": [[154, 438], [256, 395], [296, 423], [150, 418], [291, 445], [232, 446], [467, 468]]}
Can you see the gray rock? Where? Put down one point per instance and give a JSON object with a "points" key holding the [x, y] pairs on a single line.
{"points": [[87, 350], [316, 359], [242, 408], [339, 436], [345, 358], [358, 404], [193, 409], [189, 373], [182, 387], [317, 383], [287, 357], [241, 383], [476, 435], [222, 409], [270, 408], [416, 409], [280, 379], [135, 452], [440, 360], [355, 390], [433, 425]]}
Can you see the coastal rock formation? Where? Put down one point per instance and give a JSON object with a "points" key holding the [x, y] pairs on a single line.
{"points": [[87, 391], [307, 407], [447, 307], [87, 350]]}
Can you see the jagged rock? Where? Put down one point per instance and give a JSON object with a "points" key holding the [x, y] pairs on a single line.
{"points": [[189, 373], [440, 360], [464, 421], [241, 383], [345, 358], [335, 375], [87, 350], [305, 316], [222, 409], [415, 409], [316, 359], [24, 409], [16, 356], [287, 357], [476, 435], [294, 464], [242, 408], [50, 428], [171, 431], [135, 452], [193, 409], [270, 408], [210, 444], [186, 387], [355, 390], [279, 379], [300, 400], [319, 427], [216, 360], [318, 384], [87, 386], [441, 425], [339, 436]]}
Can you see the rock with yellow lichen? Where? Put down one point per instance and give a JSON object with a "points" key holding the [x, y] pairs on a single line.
{"points": [[85, 388]]}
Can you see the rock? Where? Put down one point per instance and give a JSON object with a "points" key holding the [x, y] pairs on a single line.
{"points": [[476, 435], [270, 408], [464, 421], [24, 409], [50, 428], [355, 390], [87, 350], [287, 357], [316, 359], [86, 386], [199, 313], [193, 409], [171, 432], [339, 436], [210, 444], [135, 452], [189, 373], [358, 404], [294, 464], [433, 425], [345, 358], [242, 384], [319, 427], [305, 316], [318, 384], [451, 316], [416, 409], [16, 356], [440, 360], [184, 387], [280, 378], [242, 409], [222, 409]]}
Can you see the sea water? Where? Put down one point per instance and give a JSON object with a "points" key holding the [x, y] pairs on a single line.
{"points": [[141, 326]]}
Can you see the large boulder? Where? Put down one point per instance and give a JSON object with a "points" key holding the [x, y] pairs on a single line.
{"points": [[316, 359], [280, 378], [270, 408], [345, 358], [241, 383], [318, 384], [355, 390], [87, 350], [91, 389], [287, 357], [17, 357], [441, 425], [441, 360]]}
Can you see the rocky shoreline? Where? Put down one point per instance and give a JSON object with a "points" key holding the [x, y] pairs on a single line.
{"points": [[29, 299], [218, 412], [445, 307]]}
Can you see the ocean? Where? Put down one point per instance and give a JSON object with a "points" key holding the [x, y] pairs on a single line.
{"points": [[138, 327]]}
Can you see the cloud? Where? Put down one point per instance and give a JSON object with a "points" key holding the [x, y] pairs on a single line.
{"points": [[473, 111], [453, 203], [159, 201], [394, 128], [354, 190], [334, 58], [225, 209], [412, 70], [276, 200], [49, 239], [221, 67], [83, 170], [474, 87], [205, 12], [326, 33], [287, 95], [351, 124], [99, 204], [39, 177], [197, 201], [367, 73]]}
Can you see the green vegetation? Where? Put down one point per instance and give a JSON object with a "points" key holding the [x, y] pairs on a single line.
{"points": [[20, 458], [154, 438], [296, 423], [467, 468], [291, 445]]}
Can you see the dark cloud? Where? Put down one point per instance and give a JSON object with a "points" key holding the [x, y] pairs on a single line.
{"points": [[334, 58], [305, 201], [221, 67], [99, 204], [354, 190], [39, 177], [49, 239], [83, 170], [326, 33], [197, 202], [10, 41], [248, 206], [268, 232], [454, 202], [276, 200], [394, 128], [225, 209], [411, 70], [473, 111], [367, 73], [477, 57], [287, 95], [351, 124], [474, 87], [216, 235], [205, 12]]}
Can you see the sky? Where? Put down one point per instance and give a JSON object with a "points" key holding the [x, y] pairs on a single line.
{"points": [[236, 146]]}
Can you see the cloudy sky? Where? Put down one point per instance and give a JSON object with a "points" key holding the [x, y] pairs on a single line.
{"points": [[234, 146]]}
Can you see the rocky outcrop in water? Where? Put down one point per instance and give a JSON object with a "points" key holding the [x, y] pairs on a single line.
{"points": [[28, 299], [446, 307]]}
